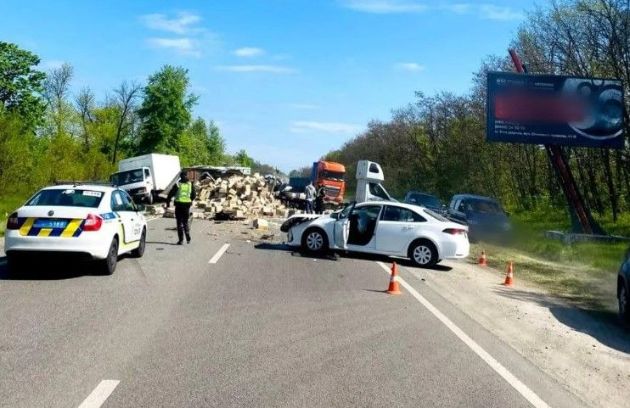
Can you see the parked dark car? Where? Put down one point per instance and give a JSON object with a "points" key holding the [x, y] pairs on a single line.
{"points": [[623, 290], [484, 216], [425, 200]]}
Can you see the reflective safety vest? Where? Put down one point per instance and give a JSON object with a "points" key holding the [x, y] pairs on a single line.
{"points": [[183, 193]]}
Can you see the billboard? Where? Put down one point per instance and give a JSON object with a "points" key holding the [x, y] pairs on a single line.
{"points": [[551, 109]]}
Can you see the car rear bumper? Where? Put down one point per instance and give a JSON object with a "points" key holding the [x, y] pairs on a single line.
{"points": [[84, 246], [457, 248]]}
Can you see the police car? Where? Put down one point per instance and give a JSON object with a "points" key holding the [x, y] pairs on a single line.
{"points": [[86, 221]]}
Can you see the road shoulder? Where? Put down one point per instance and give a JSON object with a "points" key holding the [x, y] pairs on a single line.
{"points": [[587, 354]]}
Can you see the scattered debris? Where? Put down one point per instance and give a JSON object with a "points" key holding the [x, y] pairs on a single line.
{"points": [[237, 197]]}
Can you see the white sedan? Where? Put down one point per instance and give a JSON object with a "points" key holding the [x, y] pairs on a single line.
{"points": [[386, 228], [85, 221]]}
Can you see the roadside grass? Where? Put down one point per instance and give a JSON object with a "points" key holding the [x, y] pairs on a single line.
{"points": [[583, 273], [8, 204]]}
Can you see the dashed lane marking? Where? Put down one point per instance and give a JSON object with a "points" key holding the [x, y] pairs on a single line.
{"points": [[219, 254], [100, 394]]}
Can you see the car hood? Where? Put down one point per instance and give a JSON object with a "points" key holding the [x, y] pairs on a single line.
{"points": [[298, 219]]}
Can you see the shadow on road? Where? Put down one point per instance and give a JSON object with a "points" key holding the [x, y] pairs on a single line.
{"points": [[334, 256], [161, 243], [331, 256], [603, 326], [51, 270]]}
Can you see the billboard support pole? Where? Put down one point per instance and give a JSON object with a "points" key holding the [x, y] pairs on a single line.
{"points": [[577, 206]]}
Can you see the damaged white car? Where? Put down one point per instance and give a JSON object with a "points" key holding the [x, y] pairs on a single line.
{"points": [[385, 228]]}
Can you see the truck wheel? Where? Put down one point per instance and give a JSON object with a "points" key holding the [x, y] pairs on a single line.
{"points": [[150, 199]]}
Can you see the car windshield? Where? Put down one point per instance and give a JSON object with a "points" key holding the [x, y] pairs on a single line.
{"points": [[67, 198], [127, 177]]}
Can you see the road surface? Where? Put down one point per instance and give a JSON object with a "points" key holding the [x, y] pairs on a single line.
{"points": [[260, 326]]}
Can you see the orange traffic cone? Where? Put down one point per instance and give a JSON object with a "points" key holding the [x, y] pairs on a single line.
{"points": [[483, 261], [509, 276], [393, 281]]}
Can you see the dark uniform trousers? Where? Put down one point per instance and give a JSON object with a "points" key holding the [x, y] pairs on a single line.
{"points": [[182, 213]]}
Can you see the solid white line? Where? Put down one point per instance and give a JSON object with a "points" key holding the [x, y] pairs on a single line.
{"points": [[518, 385], [100, 394], [219, 254]]}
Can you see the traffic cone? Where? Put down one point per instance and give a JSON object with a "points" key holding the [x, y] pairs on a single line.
{"points": [[483, 261], [393, 281], [509, 276]]}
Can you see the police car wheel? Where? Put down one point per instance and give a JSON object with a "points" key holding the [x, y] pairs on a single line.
{"points": [[108, 265], [138, 252]]}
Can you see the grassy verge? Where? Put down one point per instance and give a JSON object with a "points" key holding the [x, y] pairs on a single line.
{"points": [[583, 273], [8, 204]]}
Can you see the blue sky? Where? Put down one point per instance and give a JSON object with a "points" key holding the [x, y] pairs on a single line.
{"points": [[288, 80]]}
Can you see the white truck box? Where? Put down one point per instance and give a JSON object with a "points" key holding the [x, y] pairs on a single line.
{"points": [[152, 173]]}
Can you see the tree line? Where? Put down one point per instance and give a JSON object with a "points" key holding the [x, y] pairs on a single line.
{"points": [[437, 143], [49, 133]]}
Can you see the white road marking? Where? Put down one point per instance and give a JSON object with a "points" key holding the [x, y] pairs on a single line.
{"points": [[219, 254], [518, 385], [100, 394]]}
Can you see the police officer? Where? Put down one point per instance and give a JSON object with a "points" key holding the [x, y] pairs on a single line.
{"points": [[184, 194]]}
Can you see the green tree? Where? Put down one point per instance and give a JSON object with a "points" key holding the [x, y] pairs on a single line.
{"points": [[21, 85], [166, 110], [242, 159]]}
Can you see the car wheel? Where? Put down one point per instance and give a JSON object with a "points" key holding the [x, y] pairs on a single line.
{"points": [[423, 253], [315, 241], [624, 307], [138, 252], [108, 265]]}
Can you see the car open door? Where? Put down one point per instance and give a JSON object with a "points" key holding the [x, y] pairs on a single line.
{"points": [[342, 227]]}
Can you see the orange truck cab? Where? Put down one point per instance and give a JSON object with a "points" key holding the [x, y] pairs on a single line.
{"points": [[330, 175]]}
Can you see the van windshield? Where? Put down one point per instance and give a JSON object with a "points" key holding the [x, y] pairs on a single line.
{"points": [[127, 177]]}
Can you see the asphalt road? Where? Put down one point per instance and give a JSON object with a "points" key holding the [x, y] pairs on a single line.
{"points": [[261, 327]]}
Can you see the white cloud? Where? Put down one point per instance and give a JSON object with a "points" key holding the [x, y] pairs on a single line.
{"points": [[492, 12], [325, 127], [51, 64], [248, 52], [484, 10], [182, 23], [385, 6], [409, 66], [458, 8], [184, 45], [271, 69]]}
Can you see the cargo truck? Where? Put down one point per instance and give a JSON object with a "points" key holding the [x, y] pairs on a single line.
{"points": [[144, 177], [330, 176]]}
